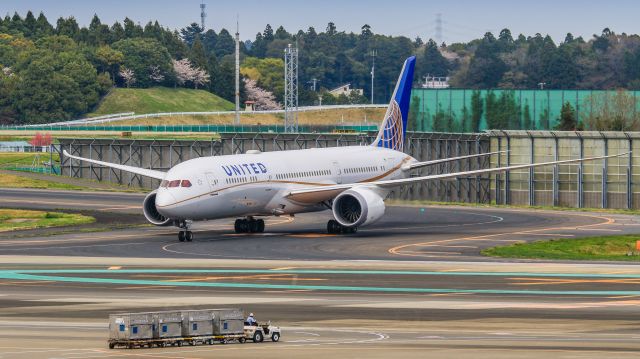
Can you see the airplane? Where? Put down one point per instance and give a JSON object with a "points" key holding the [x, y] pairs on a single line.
{"points": [[352, 181]]}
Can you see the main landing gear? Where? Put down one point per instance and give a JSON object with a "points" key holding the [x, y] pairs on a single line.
{"points": [[185, 234], [249, 225], [333, 227]]}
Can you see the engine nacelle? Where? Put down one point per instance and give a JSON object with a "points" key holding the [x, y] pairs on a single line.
{"points": [[151, 211], [358, 207]]}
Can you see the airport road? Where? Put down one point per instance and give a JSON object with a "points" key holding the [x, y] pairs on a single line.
{"points": [[413, 285]]}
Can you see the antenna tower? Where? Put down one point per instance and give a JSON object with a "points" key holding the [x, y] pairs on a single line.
{"points": [[203, 14], [237, 119], [291, 89]]}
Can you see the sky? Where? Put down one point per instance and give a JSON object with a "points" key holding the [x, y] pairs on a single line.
{"points": [[462, 20]]}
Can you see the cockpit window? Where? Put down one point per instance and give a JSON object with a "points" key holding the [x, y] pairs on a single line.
{"points": [[186, 183], [174, 183], [164, 183]]}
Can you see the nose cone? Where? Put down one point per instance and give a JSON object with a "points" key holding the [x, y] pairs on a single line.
{"points": [[164, 199]]}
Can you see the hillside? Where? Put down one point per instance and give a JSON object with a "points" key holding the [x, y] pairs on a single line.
{"points": [[160, 99]]}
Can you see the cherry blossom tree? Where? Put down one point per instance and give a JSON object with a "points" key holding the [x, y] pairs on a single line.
{"points": [[200, 77], [128, 76], [186, 72], [183, 71], [264, 100], [155, 74]]}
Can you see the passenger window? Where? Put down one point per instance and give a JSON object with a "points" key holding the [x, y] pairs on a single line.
{"points": [[134, 330]]}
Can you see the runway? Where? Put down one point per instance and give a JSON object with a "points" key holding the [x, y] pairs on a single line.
{"points": [[414, 283]]}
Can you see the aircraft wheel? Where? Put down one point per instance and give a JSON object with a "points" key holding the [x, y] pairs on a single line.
{"points": [[181, 236], [236, 226], [260, 226], [188, 236], [333, 227]]}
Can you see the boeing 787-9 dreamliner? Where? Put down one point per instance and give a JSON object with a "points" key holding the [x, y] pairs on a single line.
{"points": [[352, 182]]}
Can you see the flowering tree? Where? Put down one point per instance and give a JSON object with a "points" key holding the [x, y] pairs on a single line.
{"points": [[264, 100], [7, 71], [128, 76], [200, 77], [155, 74], [41, 140], [186, 72], [183, 71]]}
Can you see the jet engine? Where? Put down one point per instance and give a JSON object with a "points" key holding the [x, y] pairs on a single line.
{"points": [[151, 212], [358, 207]]}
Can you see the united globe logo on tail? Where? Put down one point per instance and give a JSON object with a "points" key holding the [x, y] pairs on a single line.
{"points": [[394, 127]]}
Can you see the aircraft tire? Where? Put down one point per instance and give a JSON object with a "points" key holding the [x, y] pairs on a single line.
{"points": [[260, 226], [188, 236], [181, 236]]}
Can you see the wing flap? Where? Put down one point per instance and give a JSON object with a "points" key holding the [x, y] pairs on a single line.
{"points": [[137, 170], [327, 191], [415, 165]]}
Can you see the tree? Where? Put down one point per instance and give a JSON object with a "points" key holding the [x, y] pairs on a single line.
{"points": [[140, 55], [108, 60], [433, 63], [612, 112], [476, 111], [190, 33], [128, 76], [264, 100], [155, 74], [567, 120]]}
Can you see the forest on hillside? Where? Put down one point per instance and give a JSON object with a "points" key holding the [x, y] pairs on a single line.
{"points": [[60, 71]]}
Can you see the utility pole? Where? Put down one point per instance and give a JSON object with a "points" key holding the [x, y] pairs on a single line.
{"points": [[313, 82], [374, 53], [237, 119]]}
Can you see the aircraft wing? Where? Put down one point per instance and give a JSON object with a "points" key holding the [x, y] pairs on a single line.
{"points": [[137, 170], [411, 166], [323, 193]]}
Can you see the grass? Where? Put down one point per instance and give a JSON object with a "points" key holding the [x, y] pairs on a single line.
{"points": [[327, 117], [16, 181], [160, 99], [615, 248], [14, 219], [24, 159]]}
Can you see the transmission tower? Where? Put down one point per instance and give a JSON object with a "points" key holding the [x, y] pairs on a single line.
{"points": [[439, 29], [291, 89], [203, 14], [237, 118]]}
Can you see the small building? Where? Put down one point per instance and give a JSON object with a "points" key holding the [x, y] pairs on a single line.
{"points": [[249, 106], [433, 82], [17, 146], [345, 90]]}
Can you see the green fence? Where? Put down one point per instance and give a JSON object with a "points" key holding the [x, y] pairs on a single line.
{"points": [[451, 110]]}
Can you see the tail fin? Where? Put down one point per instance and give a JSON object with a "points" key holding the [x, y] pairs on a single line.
{"points": [[394, 126]]}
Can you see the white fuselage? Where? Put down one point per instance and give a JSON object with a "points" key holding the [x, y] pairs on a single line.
{"points": [[256, 184]]}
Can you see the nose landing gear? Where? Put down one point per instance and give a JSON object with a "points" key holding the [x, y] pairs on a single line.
{"points": [[186, 234], [249, 225]]}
